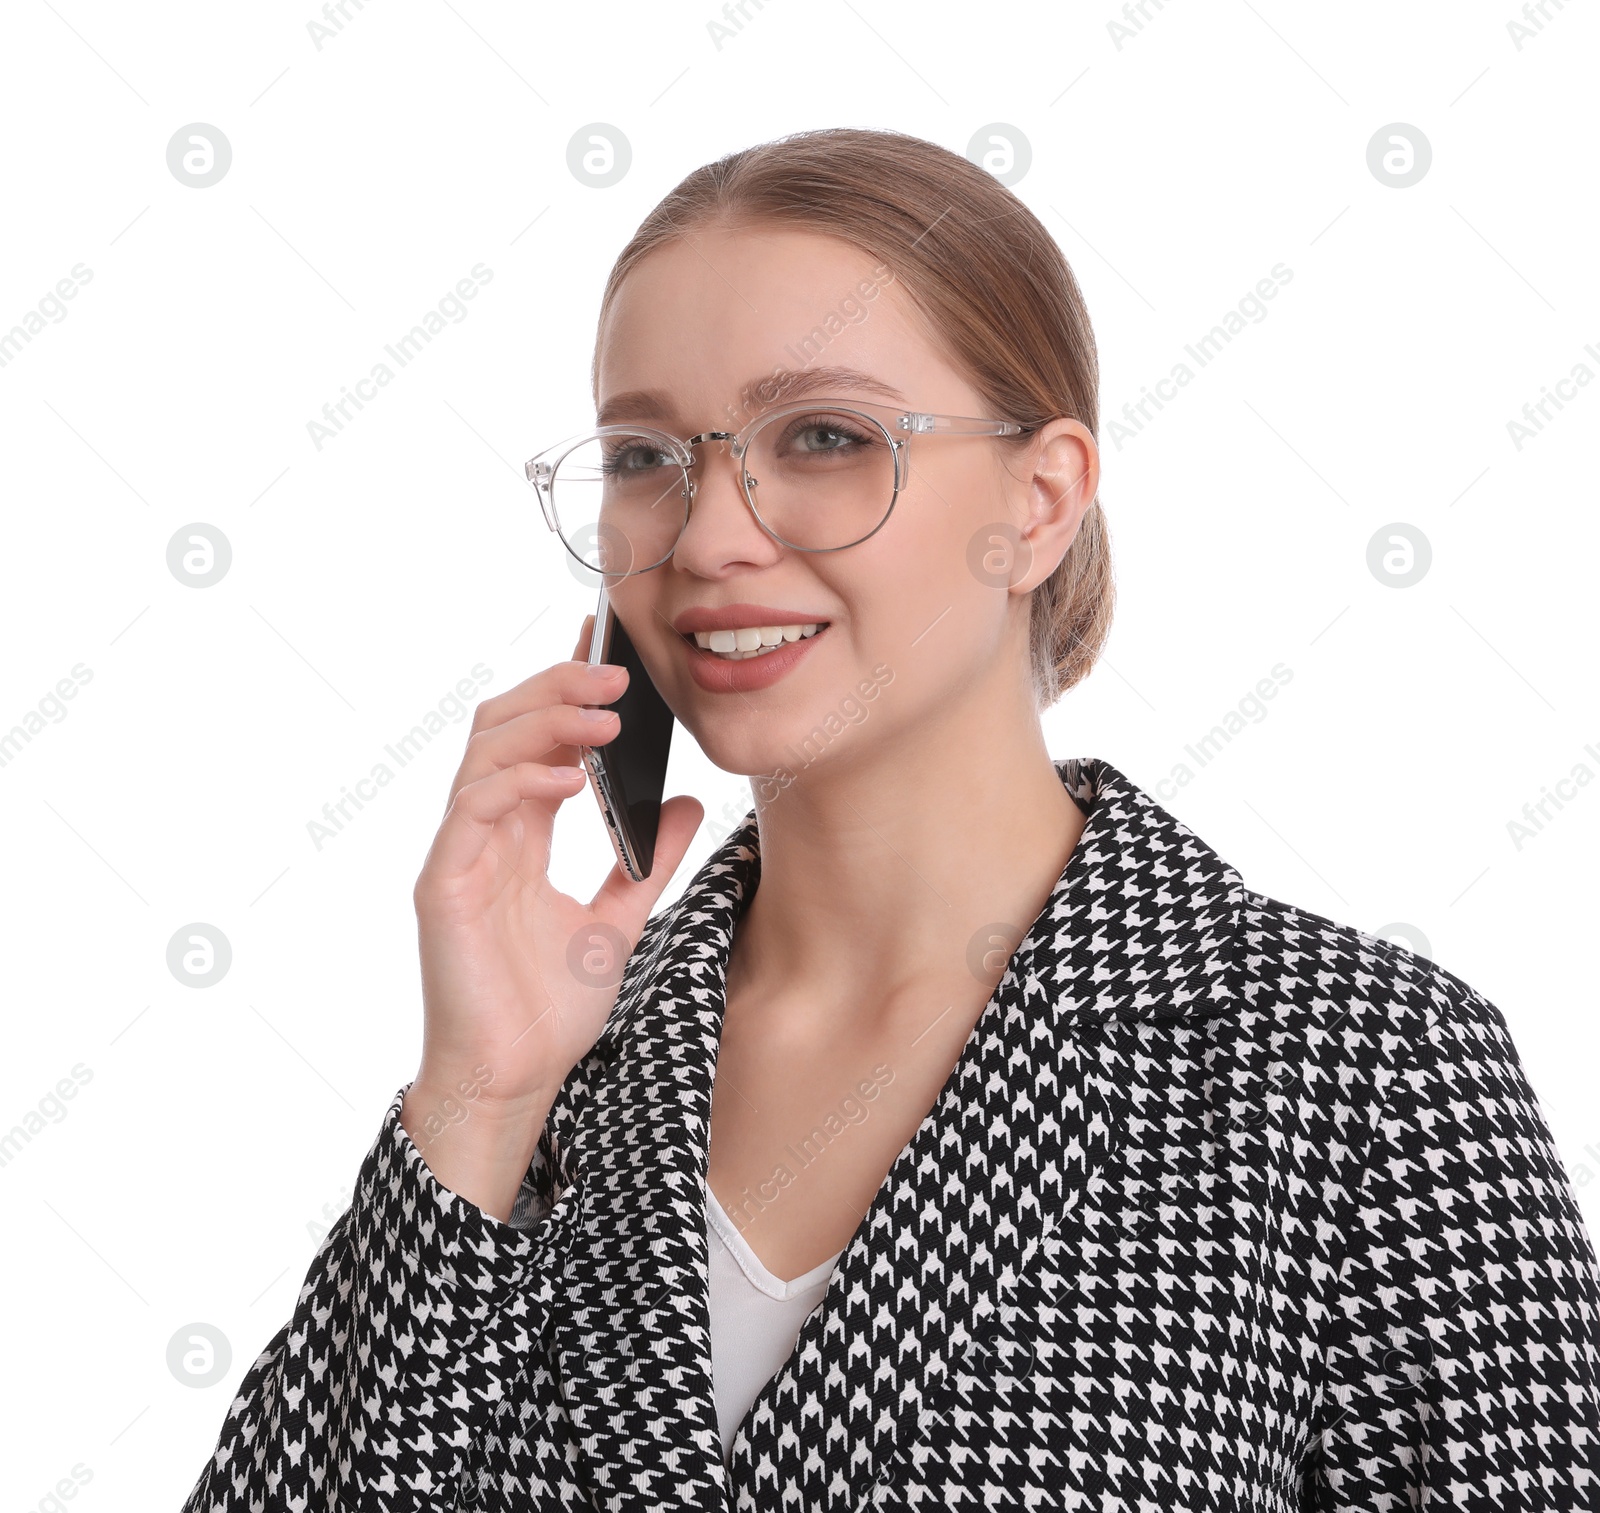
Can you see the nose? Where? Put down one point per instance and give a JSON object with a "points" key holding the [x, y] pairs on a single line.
{"points": [[722, 527]]}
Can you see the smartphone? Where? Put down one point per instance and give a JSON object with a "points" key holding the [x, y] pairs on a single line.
{"points": [[628, 773]]}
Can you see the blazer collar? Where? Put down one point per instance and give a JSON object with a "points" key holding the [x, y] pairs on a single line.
{"points": [[1141, 925]]}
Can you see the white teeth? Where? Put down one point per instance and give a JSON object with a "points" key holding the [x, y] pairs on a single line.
{"points": [[751, 640]]}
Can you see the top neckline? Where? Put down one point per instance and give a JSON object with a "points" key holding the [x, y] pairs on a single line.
{"points": [[750, 1264]]}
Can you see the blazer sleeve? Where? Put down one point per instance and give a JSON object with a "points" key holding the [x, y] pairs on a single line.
{"points": [[1463, 1359], [412, 1325]]}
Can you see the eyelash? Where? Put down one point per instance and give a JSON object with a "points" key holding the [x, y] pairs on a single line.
{"points": [[612, 467], [843, 428]]}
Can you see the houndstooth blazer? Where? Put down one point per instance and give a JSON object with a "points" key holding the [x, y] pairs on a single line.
{"points": [[1224, 1206]]}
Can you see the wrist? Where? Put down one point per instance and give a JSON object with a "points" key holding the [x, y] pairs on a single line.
{"points": [[437, 1103], [453, 1091], [479, 1148]]}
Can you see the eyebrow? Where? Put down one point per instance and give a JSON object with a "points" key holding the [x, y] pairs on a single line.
{"points": [[771, 388]]}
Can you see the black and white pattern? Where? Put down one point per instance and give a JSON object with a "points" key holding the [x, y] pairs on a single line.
{"points": [[1225, 1206]]}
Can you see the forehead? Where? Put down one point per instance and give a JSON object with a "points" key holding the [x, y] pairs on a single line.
{"points": [[707, 317]]}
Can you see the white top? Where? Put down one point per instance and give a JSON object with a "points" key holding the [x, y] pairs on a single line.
{"points": [[755, 1318]]}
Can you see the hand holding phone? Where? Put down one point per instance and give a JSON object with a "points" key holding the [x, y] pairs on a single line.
{"points": [[518, 977]]}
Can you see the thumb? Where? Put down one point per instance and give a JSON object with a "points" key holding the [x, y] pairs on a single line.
{"points": [[627, 904]]}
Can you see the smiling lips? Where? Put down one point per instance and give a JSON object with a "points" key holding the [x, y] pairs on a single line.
{"points": [[750, 640], [738, 648], [738, 632]]}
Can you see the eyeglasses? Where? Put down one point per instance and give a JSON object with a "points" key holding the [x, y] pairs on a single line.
{"points": [[818, 475]]}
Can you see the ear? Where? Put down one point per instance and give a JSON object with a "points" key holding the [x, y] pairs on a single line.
{"points": [[1065, 462]]}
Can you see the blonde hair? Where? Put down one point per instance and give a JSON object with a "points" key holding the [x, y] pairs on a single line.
{"points": [[981, 268]]}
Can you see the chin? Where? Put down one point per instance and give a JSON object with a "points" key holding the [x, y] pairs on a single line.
{"points": [[784, 735], [745, 745]]}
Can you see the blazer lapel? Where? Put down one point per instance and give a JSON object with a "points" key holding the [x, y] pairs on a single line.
{"points": [[633, 1343], [1140, 925]]}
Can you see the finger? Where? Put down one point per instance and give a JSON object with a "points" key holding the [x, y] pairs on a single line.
{"points": [[552, 735], [468, 828], [561, 683], [626, 904]]}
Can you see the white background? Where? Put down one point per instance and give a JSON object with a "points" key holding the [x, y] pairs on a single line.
{"points": [[220, 1128]]}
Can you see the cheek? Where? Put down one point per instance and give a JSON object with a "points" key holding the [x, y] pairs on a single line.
{"points": [[932, 593], [954, 539], [986, 518]]}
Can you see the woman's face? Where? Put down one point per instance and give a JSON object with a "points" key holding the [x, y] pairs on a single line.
{"points": [[920, 638]]}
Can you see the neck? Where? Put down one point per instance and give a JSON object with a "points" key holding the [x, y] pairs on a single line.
{"points": [[918, 864]]}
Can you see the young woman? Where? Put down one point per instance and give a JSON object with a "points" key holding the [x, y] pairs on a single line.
{"points": [[967, 1134]]}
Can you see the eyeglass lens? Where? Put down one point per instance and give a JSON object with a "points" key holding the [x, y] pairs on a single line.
{"points": [[818, 480]]}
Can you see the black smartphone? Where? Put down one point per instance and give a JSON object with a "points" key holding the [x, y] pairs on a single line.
{"points": [[629, 772]]}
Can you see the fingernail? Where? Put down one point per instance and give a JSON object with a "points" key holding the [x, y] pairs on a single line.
{"points": [[596, 714], [599, 670]]}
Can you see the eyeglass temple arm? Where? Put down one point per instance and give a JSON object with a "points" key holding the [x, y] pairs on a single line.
{"points": [[919, 422]]}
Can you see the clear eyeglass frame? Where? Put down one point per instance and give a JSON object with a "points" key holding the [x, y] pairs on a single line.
{"points": [[540, 469]]}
